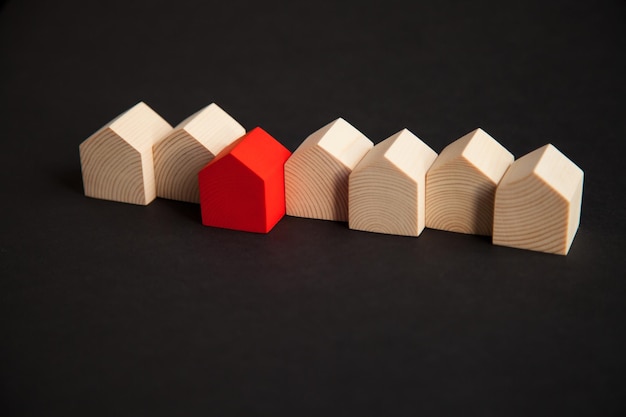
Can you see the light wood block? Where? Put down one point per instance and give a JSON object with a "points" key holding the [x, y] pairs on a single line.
{"points": [[316, 175], [387, 188], [461, 184], [117, 161], [188, 148], [243, 188], [538, 201]]}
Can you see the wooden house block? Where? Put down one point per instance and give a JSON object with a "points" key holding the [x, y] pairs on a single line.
{"points": [[316, 175], [461, 184], [387, 188], [117, 162], [538, 202], [243, 187], [188, 148]]}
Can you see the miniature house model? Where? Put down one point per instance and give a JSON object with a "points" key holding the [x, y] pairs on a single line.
{"points": [[243, 188], [185, 151], [117, 162], [461, 184], [387, 188], [538, 202], [316, 176]]}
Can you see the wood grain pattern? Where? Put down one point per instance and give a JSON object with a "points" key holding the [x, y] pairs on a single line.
{"points": [[316, 175], [387, 188], [117, 160], [188, 148], [461, 184], [537, 203]]}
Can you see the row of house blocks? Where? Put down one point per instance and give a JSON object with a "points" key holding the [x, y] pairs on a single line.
{"points": [[249, 181]]}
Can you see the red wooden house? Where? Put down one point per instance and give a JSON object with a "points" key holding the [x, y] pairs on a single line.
{"points": [[243, 188]]}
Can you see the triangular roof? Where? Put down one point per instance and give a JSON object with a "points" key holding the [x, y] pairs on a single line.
{"points": [[212, 127], [480, 150], [341, 140], [139, 126], [258, 151], [551, 166], [404, 151]]}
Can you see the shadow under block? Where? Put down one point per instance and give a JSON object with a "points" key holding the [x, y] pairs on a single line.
{"points": [[461, 184], [243, 187], [188, 148], [387, 188], [538, 202], [316, 175], [117, 162]]}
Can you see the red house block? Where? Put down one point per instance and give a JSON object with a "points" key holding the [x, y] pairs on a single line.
{"points": [[243, 187]]}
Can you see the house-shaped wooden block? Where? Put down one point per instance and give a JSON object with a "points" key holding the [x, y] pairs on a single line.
{"points": [[538, 202], [461, 184], [243, 187], [117, 162], [316, 175], [387, 188], [188, 148]]}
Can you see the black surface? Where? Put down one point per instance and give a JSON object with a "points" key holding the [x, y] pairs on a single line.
{"points": [[114, 309]]}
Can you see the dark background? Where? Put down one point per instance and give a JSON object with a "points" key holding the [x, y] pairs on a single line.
{"points": [[115, 309]]}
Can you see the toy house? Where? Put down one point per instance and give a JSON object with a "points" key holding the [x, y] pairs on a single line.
{"points": [[387, 188], [188, 148], [243, 187], [461, 184], [117, 161], [538, 201], [316, 176]]}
